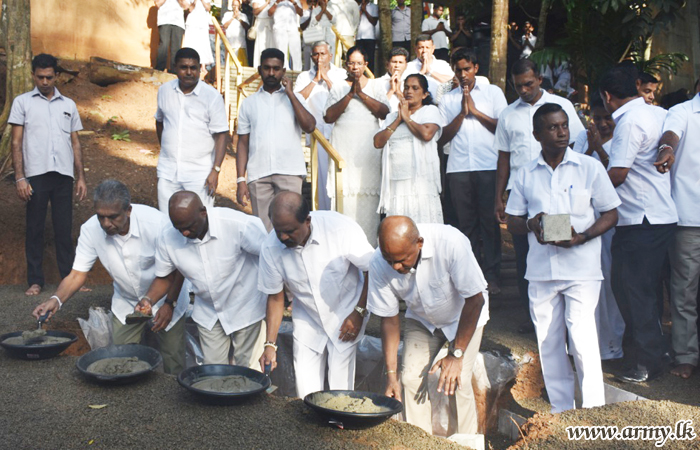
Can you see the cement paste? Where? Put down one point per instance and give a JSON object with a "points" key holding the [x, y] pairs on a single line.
{"points": [[231, 384], [118, 366], [45, 340], [347, 404]]}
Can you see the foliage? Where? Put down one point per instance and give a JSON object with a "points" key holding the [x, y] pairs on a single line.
{"points": [[121, 136]]}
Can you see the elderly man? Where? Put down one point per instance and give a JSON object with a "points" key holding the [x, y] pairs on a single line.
{"points": [[315, 85], [217, 250], [438, 29], [328, 278], [432, 268], [47, 159], [401, 25], [395, 67], [565, 276], [124, 237], [269, 138], [435, 70], [191, 125]]}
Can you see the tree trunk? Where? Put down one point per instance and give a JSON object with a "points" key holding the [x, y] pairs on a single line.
{"points": [[416, 22], [386, 43], [542, 24], [18, 46], [499, 43], [104, 72]]}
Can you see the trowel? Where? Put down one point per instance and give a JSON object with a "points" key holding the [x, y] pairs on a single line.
{"points": [[272, 388], [36, 336]]}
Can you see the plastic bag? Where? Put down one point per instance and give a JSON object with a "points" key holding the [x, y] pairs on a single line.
{"points": [[97, 328]]}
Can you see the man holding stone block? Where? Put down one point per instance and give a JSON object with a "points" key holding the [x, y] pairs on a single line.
{"points": [[564, 275]]}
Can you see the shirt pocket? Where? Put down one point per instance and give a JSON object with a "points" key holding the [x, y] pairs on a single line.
{"points": [[146, 261], [580, 201], [66, 122], [440, 290]]}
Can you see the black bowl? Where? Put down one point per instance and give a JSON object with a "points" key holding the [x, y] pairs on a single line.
{"points": [[37, 351], [193, 374], [142, 352], [346, 419]]}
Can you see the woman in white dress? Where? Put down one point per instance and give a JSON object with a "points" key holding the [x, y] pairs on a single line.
{"points": [[236, 24], [410, 163], [356, 107], [197, 32]]}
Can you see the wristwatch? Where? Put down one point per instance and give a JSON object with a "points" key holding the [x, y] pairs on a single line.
{"points": [[217, 169], [171, 302], [457, 353], [363, 311]]}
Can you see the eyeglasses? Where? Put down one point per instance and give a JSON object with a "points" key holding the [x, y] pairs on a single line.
{"points": [[355, 64]]}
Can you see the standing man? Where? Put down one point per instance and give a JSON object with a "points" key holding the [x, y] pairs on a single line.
{"points": [[217, 249], [328, 278], [191, 125], [395, 67], [437, 28], [517, 146], [315, 85], [346, 15], [647, 222], [401, 26], [528, 40], [564, 276], [269, 138], [471, 111], [171, 29], [285, 30], [47, 158], [431, 267], [367, 30], [646, 87], [435, 70], [124, 238]]}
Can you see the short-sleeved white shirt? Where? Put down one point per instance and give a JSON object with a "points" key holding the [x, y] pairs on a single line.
{"points": [[514, 130], [285, 16], [189, 124], [440, 38], [472, 147], [438, 66], [223, 268], [365, 30], [130, 260], [324, 276], [579, 186], [171, 13], [274, 147], [446, 275], [684, 121], [645, 192]]}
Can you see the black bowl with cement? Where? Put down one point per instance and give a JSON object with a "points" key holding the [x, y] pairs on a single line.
{"points": [[37, 351], [194, 374], [142, 352], [346, 419]]}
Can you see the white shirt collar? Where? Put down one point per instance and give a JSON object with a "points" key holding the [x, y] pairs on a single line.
{"points": [[569, 156], [626, 107], [195, 91]]}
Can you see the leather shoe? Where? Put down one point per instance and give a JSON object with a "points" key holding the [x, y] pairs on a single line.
{"points": [[639, 374]]}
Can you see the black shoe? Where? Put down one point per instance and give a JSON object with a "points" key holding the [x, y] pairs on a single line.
{"points": [[639, 374], [526, 328]]}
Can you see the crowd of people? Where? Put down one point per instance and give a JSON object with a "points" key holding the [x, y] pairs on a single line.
{"points": [[619, 196]]}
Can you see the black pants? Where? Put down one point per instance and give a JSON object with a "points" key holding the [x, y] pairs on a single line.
{"points": [[443, 54], [473, 196], [169, 36], [638, 253], [57, 189], [368, 45], [404, 44]]}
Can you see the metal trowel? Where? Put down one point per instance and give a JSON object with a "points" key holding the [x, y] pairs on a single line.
{"points": [[35, 336]]}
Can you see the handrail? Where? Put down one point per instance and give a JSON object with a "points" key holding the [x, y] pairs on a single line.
{"points": [[227, 45], [337, 57], [318, 138]]}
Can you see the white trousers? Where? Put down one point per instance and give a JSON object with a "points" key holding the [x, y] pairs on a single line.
{"points": [[167, 188], [310, 368], [289, 41], [558, 306], [324, 201], [248, 344], [609, 322]]}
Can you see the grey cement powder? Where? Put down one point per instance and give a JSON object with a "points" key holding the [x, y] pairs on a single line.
{"points": [[46, 340], [118, 366], [228, 384], [348, 404]]}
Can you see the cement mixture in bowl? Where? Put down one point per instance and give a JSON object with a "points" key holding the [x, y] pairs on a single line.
{"points": [[231, 384], [118, 366], [347, 404], [45, 340]]}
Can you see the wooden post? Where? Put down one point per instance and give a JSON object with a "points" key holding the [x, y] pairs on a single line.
{"points": [[217, 46], [314, 173]]}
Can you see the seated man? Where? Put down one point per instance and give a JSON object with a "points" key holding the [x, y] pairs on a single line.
{"points": [[323, 258], [564, 276], [432, 268], [124, 238]]}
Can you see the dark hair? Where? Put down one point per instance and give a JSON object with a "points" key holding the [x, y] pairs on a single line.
{"points": [[301, 212], [186, 53], [544, 110], [463, 53], [356, 49], [596, 100], [423, 37], [546, 84], [524, 65], [112, 192], [645, 78], [398, 51], [460, 14], [272, 53], [44, 61], [672, 99], [423, 82], [620, 81]]}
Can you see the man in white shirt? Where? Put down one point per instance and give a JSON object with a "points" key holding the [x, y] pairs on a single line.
{"points": [[646, 225], [565, 276], [315, 85], [393, 78], [217, 249], [191, 125], [517, 146], [681, 137], [432, 268], [471, 111], [124, 238], [269, 138], [646, 87], [285, 31], [435, 70], [171, 29], [527, 41], [401, 26], [323, 258], [346, 14], [437, 28], [367, 30]]}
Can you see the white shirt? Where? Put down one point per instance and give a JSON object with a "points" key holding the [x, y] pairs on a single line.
{"points": [[645, 192], [437, 66], [130, 260], [527, 51], [446, 275], [581, 145], [401, 24], [171, 13], [189, 123], [264, 14], [365, 30], [472, 147], [514, 130], [346, 16], [684, 121], [578, 186], [440, 38], [235, 33], [286, 16], [223, 268], [275, 135], [318, 97], [324, 276]]}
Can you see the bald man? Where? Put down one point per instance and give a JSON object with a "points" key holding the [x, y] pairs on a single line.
{"points": [[432, 268], [327, 276], [217, 249]]}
